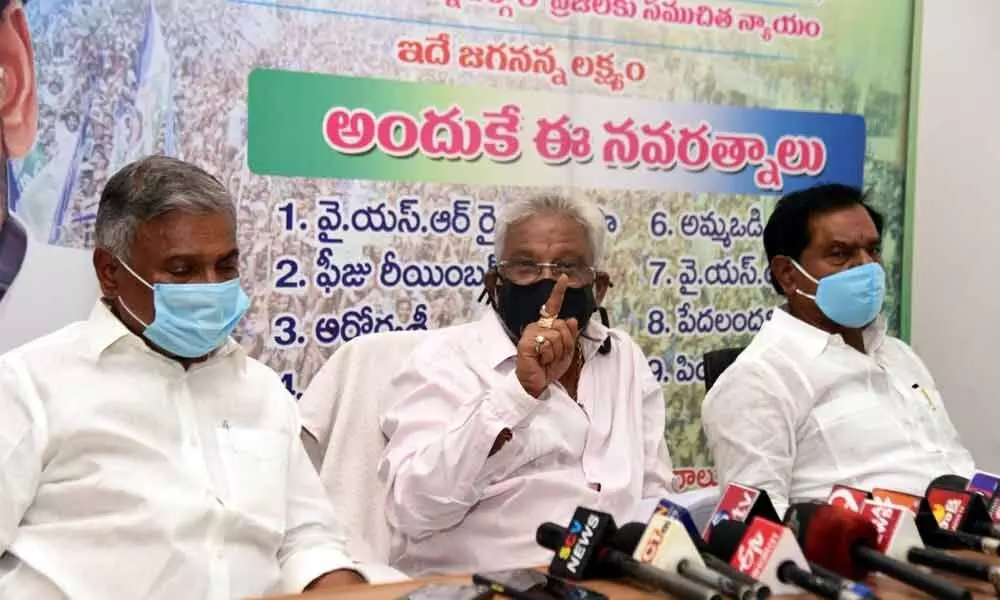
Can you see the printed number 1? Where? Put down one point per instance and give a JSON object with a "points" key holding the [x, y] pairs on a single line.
{"points": [[288, 378], [287, 211]]}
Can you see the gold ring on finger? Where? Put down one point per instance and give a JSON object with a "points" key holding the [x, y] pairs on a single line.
{"points": [[546, 322], [544, 313], [539, 342]]}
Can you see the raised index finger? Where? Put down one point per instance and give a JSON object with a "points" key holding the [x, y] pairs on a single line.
{"points": [[554, 303]]}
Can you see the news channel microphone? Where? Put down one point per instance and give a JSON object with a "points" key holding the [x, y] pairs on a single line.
{"points": [[987, 484], [583, 551], [931, 533], [683, 516], [899, 538], [741, 503], [846, 542], [665, 544], [959, 510], [847, 497], [756, 548]]}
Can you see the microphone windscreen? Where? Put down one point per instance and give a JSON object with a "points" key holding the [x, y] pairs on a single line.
{"points": [[628, 536], [829, 534], [550, 535], [726, 538], [950, 482]]}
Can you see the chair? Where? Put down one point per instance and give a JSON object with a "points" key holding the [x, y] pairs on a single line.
{"points": [[340, 420], [717, 361]]}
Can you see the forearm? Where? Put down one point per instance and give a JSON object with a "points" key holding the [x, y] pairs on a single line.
{"points": [[435, 480]]}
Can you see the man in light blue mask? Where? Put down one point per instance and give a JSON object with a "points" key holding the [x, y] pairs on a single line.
{"points": [[824, 395], [143, 454]]}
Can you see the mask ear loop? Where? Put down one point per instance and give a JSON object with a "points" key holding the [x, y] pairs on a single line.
{"points": [[605, 348], [490, 288]]}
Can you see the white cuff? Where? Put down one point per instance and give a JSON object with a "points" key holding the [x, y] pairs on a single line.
{"points": [[305, 566]]}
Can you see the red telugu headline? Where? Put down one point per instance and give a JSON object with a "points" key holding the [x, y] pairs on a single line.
{"points": [[452, 134], [669, 12], [600, 68]]}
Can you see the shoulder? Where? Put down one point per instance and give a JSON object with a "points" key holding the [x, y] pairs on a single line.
{"points": [[261, 377], [751, 380], [49, 350]]}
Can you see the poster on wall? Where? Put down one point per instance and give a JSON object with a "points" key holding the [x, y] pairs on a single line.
{"points": [[371, 143]]}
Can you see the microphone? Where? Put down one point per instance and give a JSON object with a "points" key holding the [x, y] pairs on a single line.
{"points": [[847, 497], [899, 538], [845, 543], [985, 483], [959, 510], [582, 552], [743, 545], [681, 515], [896, 498], [741, 503], [663, 543]]}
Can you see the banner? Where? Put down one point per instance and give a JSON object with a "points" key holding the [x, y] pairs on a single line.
{"points": [[371, 145]]}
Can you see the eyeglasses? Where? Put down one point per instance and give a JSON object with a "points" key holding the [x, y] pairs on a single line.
{"points": [[524, 272]]}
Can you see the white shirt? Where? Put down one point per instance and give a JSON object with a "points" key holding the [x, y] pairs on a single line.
{"points": [[55, 287], [124, 476], [800, 411], [454, 509]]}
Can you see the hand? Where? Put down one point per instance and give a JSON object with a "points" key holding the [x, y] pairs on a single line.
{"points": [[336, 579], [535, 368]]}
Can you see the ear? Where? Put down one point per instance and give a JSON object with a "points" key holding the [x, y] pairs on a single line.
{"points": [[18, 98], [106, 267], [785, 274]]}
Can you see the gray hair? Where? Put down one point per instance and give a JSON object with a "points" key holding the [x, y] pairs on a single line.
{"points": [[152, 187], [580, 209]]}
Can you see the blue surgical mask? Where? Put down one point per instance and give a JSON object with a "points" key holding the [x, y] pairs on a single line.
{"points": [[192, 319], [851, 298]]}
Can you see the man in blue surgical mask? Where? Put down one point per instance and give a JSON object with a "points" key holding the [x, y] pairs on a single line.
{"points": [[143, 454], [823, 395]]}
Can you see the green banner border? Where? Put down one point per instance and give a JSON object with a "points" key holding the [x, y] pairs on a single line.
{"points": [[913, 112]]}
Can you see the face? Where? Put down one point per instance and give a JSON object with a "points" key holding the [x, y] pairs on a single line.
{"points": [[840, 240], [404, 310], [174, 248], [550, 238]]}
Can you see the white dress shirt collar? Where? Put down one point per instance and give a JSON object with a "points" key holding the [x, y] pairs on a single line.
{"points": [[813, 341], [106, 332]]}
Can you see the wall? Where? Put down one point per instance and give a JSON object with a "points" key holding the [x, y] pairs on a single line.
{"points": [[956, 284]]}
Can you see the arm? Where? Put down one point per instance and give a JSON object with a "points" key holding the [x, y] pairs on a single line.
{"points": [[441, 431], [749, 421], [21, 445], [658, 472], [314, 553]]}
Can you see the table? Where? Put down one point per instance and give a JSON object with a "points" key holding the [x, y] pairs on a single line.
{"points": [[887, 589]]}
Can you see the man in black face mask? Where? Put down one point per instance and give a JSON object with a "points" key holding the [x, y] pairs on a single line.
{"points": [[521, 416]]}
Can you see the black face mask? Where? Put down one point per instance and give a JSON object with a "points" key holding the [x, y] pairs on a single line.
{"points": [[519, 305]]}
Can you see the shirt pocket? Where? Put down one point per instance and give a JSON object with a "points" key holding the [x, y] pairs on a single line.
{"points": [[856, 426], [256, 465]]}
